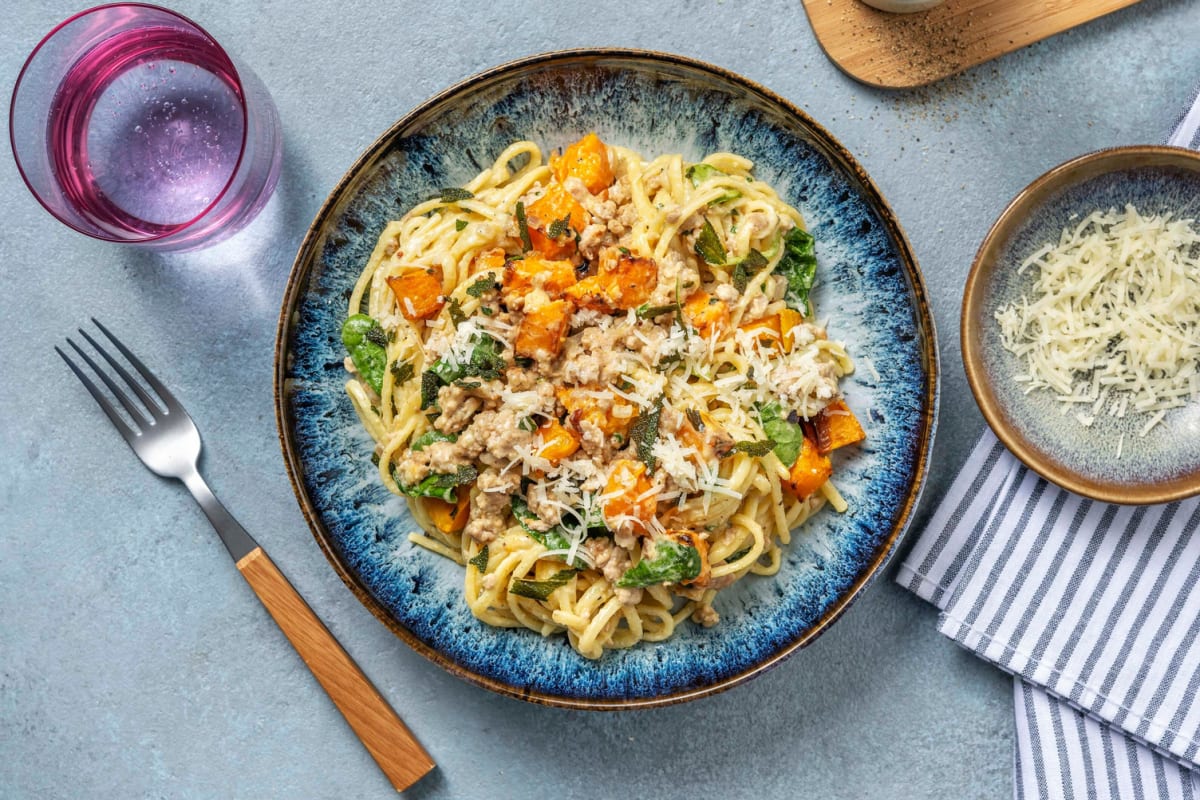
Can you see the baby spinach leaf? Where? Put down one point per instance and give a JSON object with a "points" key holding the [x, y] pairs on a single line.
{"points": [[553, 539], [740, 554], [699, 173], [486, 362], [799, 266], [788, 436], [429, 437], [673, 562], [365, 341], [442, 485]]}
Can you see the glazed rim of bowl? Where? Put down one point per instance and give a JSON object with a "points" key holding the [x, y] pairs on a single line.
{"points": [[309, 252], [977, 322]]}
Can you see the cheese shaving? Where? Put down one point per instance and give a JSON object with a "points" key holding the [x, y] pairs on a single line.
{"points": [[1113, 315]]}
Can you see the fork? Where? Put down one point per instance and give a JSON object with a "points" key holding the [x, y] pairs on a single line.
{"points": [[168, 443]]}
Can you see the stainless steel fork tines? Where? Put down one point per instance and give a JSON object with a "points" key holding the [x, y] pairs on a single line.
{"points": [[160, 430], [164, 437]]}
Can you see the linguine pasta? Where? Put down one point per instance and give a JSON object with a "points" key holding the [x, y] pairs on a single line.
{"points": [[599, 382]]}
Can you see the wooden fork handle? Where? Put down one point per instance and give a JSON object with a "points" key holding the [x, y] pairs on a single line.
{"points": [[387, 739]]}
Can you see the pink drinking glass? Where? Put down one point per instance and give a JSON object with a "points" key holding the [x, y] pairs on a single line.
{"points": [[129, 123]]}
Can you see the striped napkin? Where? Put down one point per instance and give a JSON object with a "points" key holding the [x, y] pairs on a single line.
{"points": [[1186, 130], [1094, 609]]}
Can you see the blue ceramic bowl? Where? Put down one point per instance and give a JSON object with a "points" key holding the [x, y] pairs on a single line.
{"points": [[870, 290], [1165, 464]]}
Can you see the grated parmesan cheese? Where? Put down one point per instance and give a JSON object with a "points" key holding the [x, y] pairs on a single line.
{"points": [[1114, 317]]}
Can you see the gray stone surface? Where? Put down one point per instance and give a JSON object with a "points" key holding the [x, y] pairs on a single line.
{"points": [[134, 662]]}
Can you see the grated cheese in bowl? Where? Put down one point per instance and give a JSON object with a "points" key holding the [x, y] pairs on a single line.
{"points": [[1112, 324]]}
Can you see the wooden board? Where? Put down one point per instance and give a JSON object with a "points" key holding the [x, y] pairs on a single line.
{"points": [[898, 51]]}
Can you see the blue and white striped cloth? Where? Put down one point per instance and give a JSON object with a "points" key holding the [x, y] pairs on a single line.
{"points": [[1186, 130], [1094, 608]]}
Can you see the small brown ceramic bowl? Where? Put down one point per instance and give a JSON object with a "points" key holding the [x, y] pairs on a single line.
{"points": [[1109, 460]]}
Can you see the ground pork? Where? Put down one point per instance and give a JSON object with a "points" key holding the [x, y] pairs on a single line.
{"points": [[498, 437], [626, 535], [596, 206], [521, 379], [412, 468], [592, 239], [756, 308], [589, 318], [727, 293], [490, 505], [627, 215], [673, 271], [548, 513], [591, 358], [619, 191], [437, 458], [612, 562], [706, 616], [445, 457], [458, 407], [647, 340], [594, 441]]}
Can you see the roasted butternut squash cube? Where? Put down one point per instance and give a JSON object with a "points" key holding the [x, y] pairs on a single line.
{"points": [[543, 330], [557, 442], [533, 272], [492, 260], [836, 426], [582, 407], [597, 292], [708, 314], [629, 503], [788, 319], [626, 284], [554, 205], [419, 293], [810, 471], [767, 330], [636, 277], [449, 517], [588, 161], [709, 440]]}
